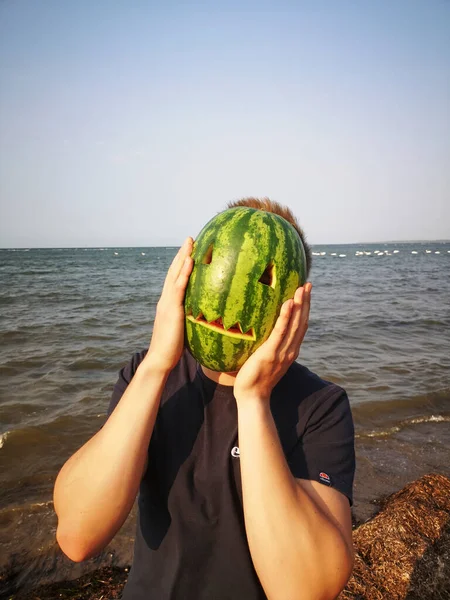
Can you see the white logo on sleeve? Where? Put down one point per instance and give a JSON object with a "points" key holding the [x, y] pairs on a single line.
{"points": [[235, 452]]}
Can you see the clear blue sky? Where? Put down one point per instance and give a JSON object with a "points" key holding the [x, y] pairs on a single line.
{"points": [[132, 123]]}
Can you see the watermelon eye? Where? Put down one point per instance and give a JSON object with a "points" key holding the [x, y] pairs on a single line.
{"points": [[268, 277], [208, 256]]}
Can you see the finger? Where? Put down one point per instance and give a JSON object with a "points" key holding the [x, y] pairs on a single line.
{"points": [[177, 263], [304, 315], [280, 330], [295, 318], [183, 278]]}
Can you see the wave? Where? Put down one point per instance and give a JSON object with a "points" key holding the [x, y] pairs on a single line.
{"points": [[3, 438], [39, 439], [13, 368], [39, 272], [403, 425], [438, 401], [405, 323], [86, 364], [378, 419], [28, 507], [7, 300]]}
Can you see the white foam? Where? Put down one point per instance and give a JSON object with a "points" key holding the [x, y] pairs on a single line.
{"points": [[376, 434], [431, 419], [437, 252], [396, 251], [3, 438], [143, 253], [323, 253], [428, 251], [333, 254], [397, 428], [413, 252], [342, 255], [116, 254]]}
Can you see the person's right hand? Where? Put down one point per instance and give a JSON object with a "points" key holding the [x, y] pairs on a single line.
{"points": [[167, 342]]}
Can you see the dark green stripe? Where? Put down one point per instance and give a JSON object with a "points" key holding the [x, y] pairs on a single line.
{"points": [[237, 227]]}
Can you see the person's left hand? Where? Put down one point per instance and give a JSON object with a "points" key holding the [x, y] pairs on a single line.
{"points": [[267, 365]]}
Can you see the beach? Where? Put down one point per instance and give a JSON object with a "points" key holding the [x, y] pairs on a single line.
{"points": [[71, 318]]}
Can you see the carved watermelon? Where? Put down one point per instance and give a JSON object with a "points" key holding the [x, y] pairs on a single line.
{"points": [[247, 262]]}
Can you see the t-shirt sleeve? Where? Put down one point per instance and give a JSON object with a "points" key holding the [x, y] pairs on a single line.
{"points": [[326, 450], [125, 376]]}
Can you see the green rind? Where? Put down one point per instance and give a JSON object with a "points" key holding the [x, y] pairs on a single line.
{"points": [[244, 241]]}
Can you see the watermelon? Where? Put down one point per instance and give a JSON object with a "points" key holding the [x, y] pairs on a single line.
{"points": [[247, 262]]}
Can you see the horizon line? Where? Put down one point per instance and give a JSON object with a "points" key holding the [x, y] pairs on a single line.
{"points": [[416, 241]]}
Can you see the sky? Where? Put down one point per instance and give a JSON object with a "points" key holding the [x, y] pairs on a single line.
{"points": [[133, 123]]}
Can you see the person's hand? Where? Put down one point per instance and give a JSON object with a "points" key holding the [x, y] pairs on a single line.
{"points": [[267, 365], [167, 342]]}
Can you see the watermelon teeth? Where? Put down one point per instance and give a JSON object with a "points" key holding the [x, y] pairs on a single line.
{"points": [[235, 329]]}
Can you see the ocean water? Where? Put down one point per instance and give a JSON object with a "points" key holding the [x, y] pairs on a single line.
{"points": [[71, 318]]}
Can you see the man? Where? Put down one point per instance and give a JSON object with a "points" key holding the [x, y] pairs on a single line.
{"points": [[244, 479]]}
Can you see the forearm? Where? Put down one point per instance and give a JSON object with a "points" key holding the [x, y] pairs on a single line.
{"points": [[96, 488], [296, 550]]}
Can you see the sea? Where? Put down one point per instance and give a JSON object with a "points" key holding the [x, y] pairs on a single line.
{"points": [[71, 318]]}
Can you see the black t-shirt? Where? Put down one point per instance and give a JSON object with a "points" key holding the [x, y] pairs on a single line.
{"points": [[191, 542]]}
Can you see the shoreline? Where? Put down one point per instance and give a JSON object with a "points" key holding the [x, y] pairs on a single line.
{"points": [[385, 464], [403, 551]]}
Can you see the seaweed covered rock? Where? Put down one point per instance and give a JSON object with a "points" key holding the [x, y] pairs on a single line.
{"points": [[404, 551]]}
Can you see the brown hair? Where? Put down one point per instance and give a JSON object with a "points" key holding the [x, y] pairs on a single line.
{"points": [[283, 211]]}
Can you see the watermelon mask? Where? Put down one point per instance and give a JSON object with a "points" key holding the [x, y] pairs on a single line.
{"points": [[247, 262]]}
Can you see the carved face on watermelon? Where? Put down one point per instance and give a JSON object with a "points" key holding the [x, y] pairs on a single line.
{"points": [[247, 262]]}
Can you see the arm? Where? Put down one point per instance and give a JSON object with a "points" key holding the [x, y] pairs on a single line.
{"points": [[299, 532], [95, 489]]}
